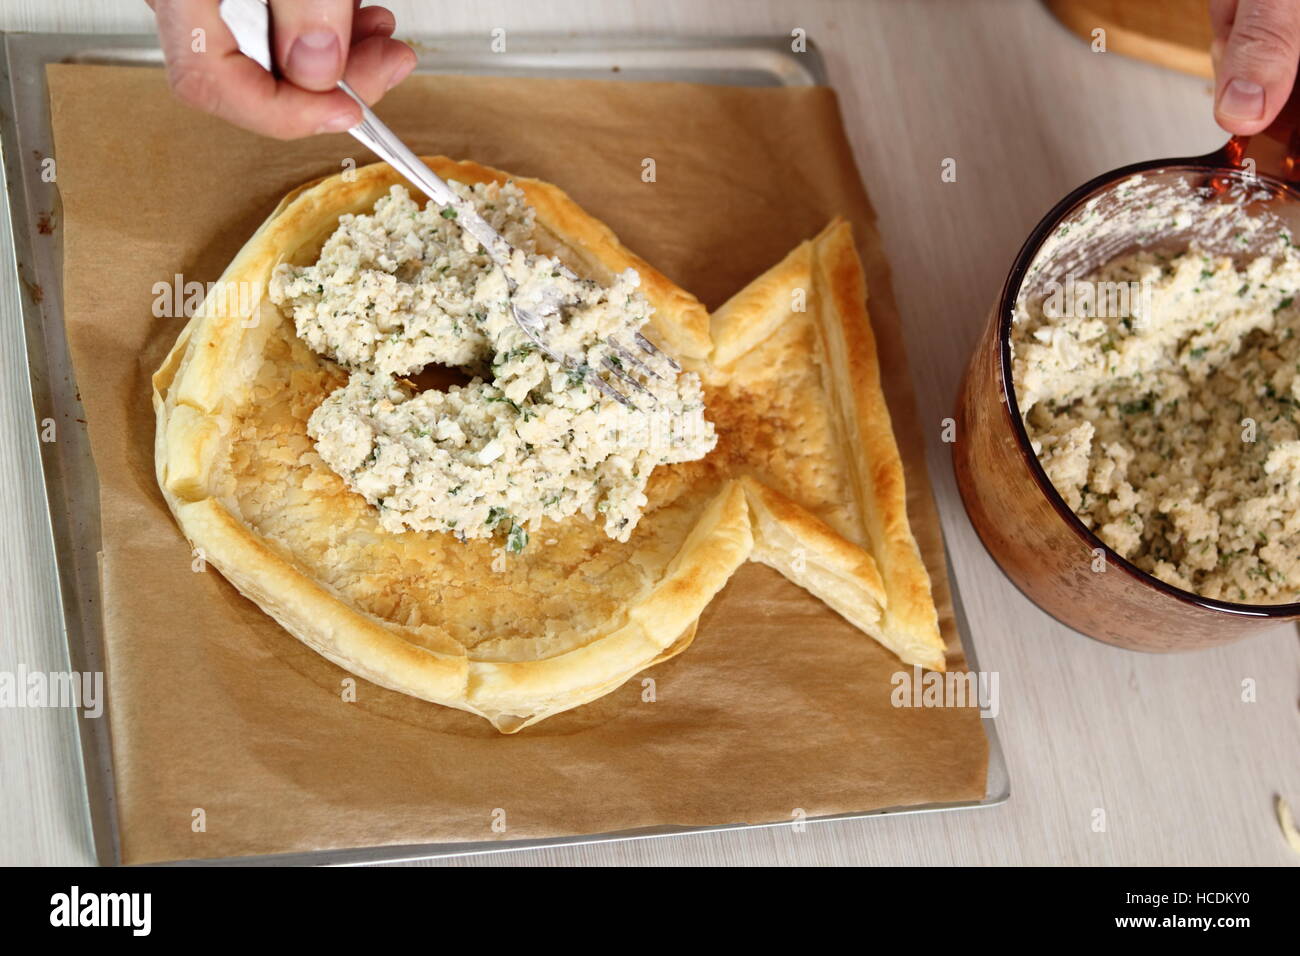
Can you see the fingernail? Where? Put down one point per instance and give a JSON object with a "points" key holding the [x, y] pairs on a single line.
{"points": [[1242, 100], [402, 72], [314, 59], [338, 123]]}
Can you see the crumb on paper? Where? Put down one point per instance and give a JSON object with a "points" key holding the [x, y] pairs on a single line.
{"points": [[1287, 822]]}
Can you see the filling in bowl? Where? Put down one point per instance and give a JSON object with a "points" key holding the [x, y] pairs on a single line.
{"points": [[1161, 396]]}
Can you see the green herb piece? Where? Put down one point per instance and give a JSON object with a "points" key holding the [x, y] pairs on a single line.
{"points": [[517, 539], [1133, 408]]}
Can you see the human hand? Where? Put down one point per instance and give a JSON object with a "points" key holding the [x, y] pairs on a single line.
{"points": [[314, 44], [1255, 49]]}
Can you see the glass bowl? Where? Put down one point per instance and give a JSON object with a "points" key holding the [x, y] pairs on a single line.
{"points": [[1239, 199]]}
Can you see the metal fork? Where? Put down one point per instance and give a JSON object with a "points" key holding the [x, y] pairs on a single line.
{"points": [[250, 23]]}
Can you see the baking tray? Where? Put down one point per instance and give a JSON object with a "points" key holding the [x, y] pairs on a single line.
{"points": [[26, 142]]}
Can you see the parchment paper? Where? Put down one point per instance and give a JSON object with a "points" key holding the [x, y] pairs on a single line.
{"points": [[779, 707]]}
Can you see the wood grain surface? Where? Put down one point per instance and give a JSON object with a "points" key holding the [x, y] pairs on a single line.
{"points": [[1172, 33], [1184, 769]]}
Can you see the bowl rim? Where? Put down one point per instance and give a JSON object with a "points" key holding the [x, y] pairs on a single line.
{"points": [[1218, 161]]}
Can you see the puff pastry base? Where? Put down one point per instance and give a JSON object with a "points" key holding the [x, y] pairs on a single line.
{"points": [[795, 389], [806, 478]]}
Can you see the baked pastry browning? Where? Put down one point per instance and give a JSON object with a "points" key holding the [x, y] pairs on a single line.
{"points": [[805, 477], [802, 420]]}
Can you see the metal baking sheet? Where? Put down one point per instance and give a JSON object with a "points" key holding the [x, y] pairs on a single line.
{"points": [[72, 489]]}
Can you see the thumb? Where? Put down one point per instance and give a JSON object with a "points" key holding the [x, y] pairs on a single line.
{"points": [[311, 40], [1258, 65]]}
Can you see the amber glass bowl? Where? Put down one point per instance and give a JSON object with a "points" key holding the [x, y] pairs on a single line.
{"points": [[1024, 523]]}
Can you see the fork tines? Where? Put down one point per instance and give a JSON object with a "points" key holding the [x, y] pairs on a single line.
{"points": [[622, 363]]}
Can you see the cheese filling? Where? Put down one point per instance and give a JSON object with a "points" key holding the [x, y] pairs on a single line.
{"points": [[526, 439], [1171, 427]]}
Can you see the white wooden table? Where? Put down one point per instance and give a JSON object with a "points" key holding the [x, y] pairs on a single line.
{"points": [[1184, 769]]}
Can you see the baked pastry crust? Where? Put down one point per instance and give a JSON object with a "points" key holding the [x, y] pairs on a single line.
{"points": [[806, 478], [513, 640], [795, 364]]}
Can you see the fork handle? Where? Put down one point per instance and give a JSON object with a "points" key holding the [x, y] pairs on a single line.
{"points": [[249, 22], [384, 143]]}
